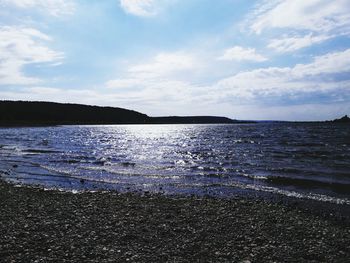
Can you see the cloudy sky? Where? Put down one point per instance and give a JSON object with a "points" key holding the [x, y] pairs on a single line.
{"points": [[275, 59]]}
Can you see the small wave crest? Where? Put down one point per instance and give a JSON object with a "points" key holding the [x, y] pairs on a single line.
{"points": [[309, 183]]}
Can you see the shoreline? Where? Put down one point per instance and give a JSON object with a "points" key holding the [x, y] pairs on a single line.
{"points": [[53, 226]]}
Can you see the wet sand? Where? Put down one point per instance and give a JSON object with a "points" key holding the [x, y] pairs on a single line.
{"points": [[52, 226]]}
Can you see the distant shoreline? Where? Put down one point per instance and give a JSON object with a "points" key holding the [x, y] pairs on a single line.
{"points": [[37, 113], [27, 113], [38, 125]]}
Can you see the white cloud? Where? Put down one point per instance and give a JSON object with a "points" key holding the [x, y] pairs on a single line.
{"points": [[315, 15], [159, 84], [20, 46], [166, 97], [145, 8], [298, 80], [156, 89], [155, 85], [239, 53], [336, 62], [10, 73], [289, 44], [53, 7], [162, 67], [308, 22], [123, 83], [164, 64]]}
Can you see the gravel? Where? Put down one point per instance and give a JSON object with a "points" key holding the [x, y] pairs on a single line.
{"points": [[52, 226]]}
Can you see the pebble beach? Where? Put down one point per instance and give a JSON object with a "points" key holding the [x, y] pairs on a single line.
{"points": [[38, 225]]}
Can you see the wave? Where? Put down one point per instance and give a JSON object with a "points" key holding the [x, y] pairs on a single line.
{"points": [[39, 151], [342, 188], [176, 184], [295, 194]]}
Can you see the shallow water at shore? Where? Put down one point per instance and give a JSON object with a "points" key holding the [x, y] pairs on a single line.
{"points": [[301, 160]]}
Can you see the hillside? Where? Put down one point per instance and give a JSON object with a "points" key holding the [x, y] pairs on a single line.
{"points": [[23, 113], [192, 119], [344, 119], [36, 113]]}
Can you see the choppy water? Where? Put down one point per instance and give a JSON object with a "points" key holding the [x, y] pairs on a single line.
{"points": [[302, 160]]}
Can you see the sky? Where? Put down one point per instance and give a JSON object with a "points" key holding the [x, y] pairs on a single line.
{"points": [[259, 60]]}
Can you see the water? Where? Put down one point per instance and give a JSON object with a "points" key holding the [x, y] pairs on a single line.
{"points": [[301, 160]]}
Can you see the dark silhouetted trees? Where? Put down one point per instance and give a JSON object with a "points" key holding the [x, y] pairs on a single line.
{"points": [[23, 113]]}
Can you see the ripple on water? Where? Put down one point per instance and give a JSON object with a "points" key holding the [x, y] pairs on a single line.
{"points": [[300, 160]]}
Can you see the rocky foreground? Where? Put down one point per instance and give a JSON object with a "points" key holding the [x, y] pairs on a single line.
{"points": [[51, 226]]}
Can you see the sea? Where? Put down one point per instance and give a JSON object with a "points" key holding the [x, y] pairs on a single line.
{"points": [[300, 160]]}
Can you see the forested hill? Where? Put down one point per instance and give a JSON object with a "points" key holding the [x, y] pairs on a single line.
{"points": [[192, 119], [344, 119], [50, 113], [37, 113]]}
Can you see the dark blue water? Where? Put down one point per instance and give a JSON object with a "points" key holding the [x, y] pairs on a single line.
{"points": [[301, 160]]}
